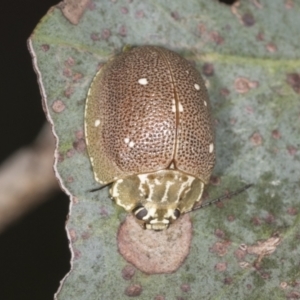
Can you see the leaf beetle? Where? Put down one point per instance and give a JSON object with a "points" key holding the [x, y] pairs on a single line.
{"points": [[149, 133]]}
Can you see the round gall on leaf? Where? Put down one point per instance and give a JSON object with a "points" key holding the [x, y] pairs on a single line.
{"points": [[155, 252]]}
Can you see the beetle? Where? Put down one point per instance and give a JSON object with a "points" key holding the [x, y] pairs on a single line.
{"points": [[149, 133]]}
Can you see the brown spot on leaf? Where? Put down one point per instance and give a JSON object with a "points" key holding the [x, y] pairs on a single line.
{"points": [[256, 139], [208, 69], [139, 14], [240, 254], [271, 47], [220, 204], [85, 235], [128, 272], [76, 77], [45, 47], [69, 62], [70, 153], [95, 36], [216, 37], [105, 34], [123, 30], [91, 5], [224, 92], [76, 253], [293, 295], [79, 134], [256, 221], [185, 287], [219, 233], [260, 36], [289, 4], [79, 145], [70, 179], [155, 252], [58, 106], [293, 79], [228, 280], [220, 248], [248, 19], [231, 218], [242, 85], [270, 218], [221, 267], [159, 297], [175, 15], [249, 109], [103, 212], [69, 91], [292, 150], [73, 9], [67, 72], [124, 10], [296, 283], [276, 134], [292, 211], [60, 157], [215, 180], [133, 290]]}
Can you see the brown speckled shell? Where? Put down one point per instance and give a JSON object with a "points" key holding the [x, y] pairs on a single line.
{"points": [[135, 127]]}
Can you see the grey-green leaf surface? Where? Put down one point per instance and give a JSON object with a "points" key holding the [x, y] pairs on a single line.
{"points": [[249, 246]]}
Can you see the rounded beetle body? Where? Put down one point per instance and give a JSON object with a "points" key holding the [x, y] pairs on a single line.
{"points": [[149, 132]]}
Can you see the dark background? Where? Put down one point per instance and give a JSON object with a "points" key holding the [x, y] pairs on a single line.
{"points": [[34, 253]]}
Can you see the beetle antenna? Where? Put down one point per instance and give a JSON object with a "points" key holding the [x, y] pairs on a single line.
{"points": [[224, 197], [99, 188]]}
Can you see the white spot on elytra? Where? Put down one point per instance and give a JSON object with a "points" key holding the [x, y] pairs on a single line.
{"points": [[205, 103], [97, 123], [197, 87], [129, 142], [143, 81], [180, 107], [211, 148], [173, 105]]}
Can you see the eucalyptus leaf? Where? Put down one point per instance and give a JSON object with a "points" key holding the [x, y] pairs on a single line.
{"points": [[247, 247]]}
